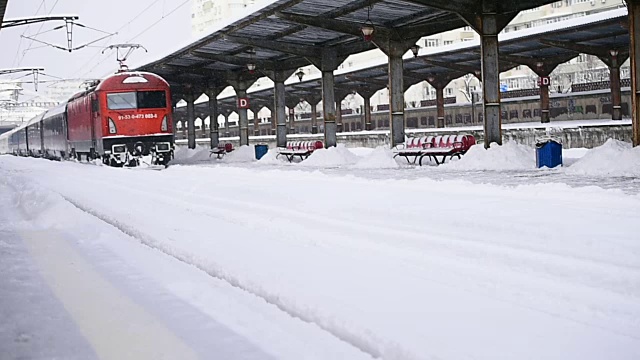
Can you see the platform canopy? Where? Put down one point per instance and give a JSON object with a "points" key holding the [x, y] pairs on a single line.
{"points": [[597, 34], [288, 34], [3, 8]]}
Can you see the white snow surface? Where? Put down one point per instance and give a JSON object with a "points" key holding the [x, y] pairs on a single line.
{"points": [[509, 156], [614, 158], [184, 155], [392, 268], [333, 156], [380, 158], [201, 155], [244, 153]]}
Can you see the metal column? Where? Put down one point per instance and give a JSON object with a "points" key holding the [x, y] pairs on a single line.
{"points": [[191, 120], [291, 104], [440, 106], [280, 114], [616, 98], [329, 108], [204, 126], [241, 92], [544, 103], [227, 131], [396, 93], [214, 132], [367, 112], [256, 121], [314, 118], [491, 80], [174, 119]]}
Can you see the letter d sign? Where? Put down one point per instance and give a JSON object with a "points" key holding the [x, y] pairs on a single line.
{"points": [[544, 80], [243, 103]]}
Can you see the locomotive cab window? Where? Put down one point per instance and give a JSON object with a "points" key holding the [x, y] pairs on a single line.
{"points": [[151, 100], [121, 101], [137, 100]]}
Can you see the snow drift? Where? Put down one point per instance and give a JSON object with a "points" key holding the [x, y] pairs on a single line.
{"points": [[510, 156], [614, 158], [333, 156], [380, 158]]}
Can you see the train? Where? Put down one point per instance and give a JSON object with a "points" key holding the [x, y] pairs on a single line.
{"points": [[119, 119]]}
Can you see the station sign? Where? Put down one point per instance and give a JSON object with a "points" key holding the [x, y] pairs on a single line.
{"points": [[243, 103], [544, 81]]}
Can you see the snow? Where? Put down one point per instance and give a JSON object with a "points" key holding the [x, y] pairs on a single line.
{"points": [[333, 156], [316, 262], [270, 158], [134, 80], [241, 154], [380, 158], [614, 158], [510, 156], [184, 155], [202, 155]]}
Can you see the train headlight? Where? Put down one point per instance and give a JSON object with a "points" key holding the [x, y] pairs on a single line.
{"points": [[164, 126], [112, 127], [163, 147], [119, 149]]}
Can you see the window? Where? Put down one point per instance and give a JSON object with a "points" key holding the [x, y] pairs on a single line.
{"points": [[431, 42], [152, 99], [121, 101], [139, 100]]}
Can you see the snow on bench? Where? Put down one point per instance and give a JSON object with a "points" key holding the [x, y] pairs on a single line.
{"points": [[301, 149], [221, 150], [434, 146]]}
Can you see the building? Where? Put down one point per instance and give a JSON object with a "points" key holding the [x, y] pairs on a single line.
{"points": [[208, 13]]}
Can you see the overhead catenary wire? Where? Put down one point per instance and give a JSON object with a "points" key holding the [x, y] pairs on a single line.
{"points": [[88, 62], [39, 29], [13, 63], [142, 32]]}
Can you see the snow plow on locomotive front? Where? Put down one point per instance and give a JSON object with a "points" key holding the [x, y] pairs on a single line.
{"points": [[125, 120]]}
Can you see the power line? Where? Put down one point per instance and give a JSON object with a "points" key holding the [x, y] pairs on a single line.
{"points": [[13, 63], [162, 18], [120, 28], [24, 53], [142, 32]]}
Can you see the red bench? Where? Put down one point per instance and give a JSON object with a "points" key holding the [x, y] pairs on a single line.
{"points": [[301, 149], [434, 147], [221, 150]]}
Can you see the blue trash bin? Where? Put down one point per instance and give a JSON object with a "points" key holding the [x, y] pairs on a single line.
{"points": [[548, 153], [261, 150]]}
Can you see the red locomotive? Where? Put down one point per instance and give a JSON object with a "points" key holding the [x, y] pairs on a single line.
{"points": [[121, 119]]}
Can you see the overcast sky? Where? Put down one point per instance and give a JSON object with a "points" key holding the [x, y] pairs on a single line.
{"points": [[132, 19]]}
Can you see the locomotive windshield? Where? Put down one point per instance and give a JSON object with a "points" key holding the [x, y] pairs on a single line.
{"points": [[151, 99], [137, 100]]}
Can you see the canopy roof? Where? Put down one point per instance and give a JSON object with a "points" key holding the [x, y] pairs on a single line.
{"points": [[287, 34], [3, 8], [597, 33]]}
